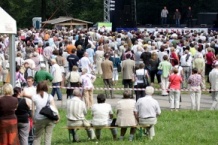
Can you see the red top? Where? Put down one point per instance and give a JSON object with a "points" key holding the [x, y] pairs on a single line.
{"points": [[173, 57], [210, 57], [175, 81]]}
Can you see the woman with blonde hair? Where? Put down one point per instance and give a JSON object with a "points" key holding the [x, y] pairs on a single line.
{"points": [[8, 119]]}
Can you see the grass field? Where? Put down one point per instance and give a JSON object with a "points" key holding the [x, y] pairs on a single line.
{"points": [[173, 128]]}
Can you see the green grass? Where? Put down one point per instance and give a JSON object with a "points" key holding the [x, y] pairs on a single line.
{"points": [[173, 128]]}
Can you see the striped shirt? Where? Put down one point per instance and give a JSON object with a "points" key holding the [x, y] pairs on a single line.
{"points": [[76, 109]]}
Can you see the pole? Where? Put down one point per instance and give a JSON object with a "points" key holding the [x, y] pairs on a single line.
{"points": [[12, 59]]}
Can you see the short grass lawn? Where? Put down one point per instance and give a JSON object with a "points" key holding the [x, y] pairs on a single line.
{"points": [[173, 128]]}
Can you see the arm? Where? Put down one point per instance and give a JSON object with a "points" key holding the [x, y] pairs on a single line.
{"points": [[49, 77], [52, 102]]}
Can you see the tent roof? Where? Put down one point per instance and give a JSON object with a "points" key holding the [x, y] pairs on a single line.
{"points": [[64, 19], [7, 24]]}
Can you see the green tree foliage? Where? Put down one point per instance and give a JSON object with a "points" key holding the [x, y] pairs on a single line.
{"points": [[148, 11]]}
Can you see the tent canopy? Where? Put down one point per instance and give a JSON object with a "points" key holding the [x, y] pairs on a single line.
{"points": [[7, 24]]}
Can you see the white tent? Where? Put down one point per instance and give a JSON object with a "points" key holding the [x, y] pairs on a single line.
{"points": [[9, 26]]}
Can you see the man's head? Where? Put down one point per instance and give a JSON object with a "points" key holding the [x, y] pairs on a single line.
{"points": [[30, 81], [107, 55], [165, 57], [53, 61], [126, 94], [84, 70], [101, 98], [42, 66], [76, 92], [149, 90]]}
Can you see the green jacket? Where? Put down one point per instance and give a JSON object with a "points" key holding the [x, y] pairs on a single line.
{"points": [[42, 75]]}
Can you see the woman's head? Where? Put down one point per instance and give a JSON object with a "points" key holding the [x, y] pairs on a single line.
{"points": [[126, 94], [154, 56], [194, 70], [7, 89], [17, 91], [74, 68], [42, 87], [175, 70], [141, 66]]}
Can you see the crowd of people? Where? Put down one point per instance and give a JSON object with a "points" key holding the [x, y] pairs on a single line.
{"points": [[75, 58]]}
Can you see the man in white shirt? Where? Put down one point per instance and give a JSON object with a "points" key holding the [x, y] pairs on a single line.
{"points": [[76, 111], [213, 77], [85, 62], [102, 116], [56, 82], [147, 109], [186, 63]]}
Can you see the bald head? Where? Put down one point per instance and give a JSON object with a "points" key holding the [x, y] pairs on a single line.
{"points": [[76, 92]]}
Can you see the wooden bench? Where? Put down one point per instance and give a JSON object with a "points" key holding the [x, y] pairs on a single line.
{"points": [[140, 128]]}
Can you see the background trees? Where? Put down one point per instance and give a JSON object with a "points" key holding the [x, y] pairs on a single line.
{"points": [[148, 11]]}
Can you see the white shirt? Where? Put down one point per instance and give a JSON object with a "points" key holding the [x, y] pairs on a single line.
{"points": [[85, 63], [161, 54], [139, 74], [40, 103], [184, 62], [86, 81], [30, 91], [213, 77], [56, 73], [101, 113], [147, 107]]}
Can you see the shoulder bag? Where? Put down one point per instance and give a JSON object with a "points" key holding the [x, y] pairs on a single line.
{"points": [[48, 112]]}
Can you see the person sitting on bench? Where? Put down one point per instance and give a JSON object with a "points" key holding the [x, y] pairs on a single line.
{"points": [[76, 111], [147, 109], [102, 116]]}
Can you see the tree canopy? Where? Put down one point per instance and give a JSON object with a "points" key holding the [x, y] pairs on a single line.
{"points": [[148, 11]]}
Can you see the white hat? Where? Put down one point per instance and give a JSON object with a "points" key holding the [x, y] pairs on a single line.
{"points": [[42, 65]]}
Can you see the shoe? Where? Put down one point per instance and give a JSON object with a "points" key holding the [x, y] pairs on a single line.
{"points": [[59, 100]]}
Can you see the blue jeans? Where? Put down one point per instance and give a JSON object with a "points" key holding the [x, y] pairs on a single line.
{"points": [[164, 20], [177, 22], [56, 90]]}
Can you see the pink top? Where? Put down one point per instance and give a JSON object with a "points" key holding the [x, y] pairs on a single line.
{"points": [[175, 81]]}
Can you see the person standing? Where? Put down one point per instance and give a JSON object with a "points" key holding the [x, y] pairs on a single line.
{"points": [[56, 82], [22, 112], [42, 74], [175, 86], [128, 69], [213, 77], [147, 110], [189, 17], [177, 17], [87, 81], [195, 89], [72, 59], [8, 119], [107, 69], [42, 123], [99, 56], [199, 64], [186, 63], [164, 14], [166, 67]]}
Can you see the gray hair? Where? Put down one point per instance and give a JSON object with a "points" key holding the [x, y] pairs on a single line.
{"points": [[149, 90]]}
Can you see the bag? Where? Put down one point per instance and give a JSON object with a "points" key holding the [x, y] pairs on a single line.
{"points": [[160, 72], [145, 80], [49, 112], [18, 82]]}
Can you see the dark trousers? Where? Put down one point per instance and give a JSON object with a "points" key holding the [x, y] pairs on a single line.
{"points": [[189, 22], [140, 93], [70, 91], [153, 73], [128, 84]]}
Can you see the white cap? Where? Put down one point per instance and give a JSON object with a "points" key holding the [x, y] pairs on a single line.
{"points": [[42, 65]]}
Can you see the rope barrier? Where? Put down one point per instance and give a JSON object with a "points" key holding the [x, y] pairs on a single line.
{"points": [[134, 89]]}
